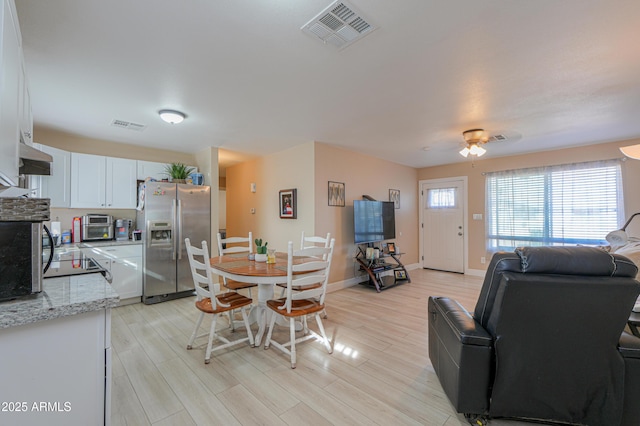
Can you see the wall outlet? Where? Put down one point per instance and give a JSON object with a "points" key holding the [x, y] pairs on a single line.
{"points": [[483, 260], [253, 211]]}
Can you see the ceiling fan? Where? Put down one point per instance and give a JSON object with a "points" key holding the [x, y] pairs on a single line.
{"points": [[474, 139]]}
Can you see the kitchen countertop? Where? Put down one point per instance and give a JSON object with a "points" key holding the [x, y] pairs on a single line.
{"points": [[63, 296]]}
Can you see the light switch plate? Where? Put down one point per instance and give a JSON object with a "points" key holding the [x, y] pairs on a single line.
{"points": [[477, 216]]}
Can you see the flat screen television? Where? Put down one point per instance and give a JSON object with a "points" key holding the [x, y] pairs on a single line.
{"points": [[373, 221]]}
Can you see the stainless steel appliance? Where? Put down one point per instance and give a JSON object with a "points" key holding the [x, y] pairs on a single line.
{"points": [[97, 227], [170, 213], [121, 229], [21, 258]]}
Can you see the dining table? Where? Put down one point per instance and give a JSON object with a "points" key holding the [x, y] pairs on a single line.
{"points": [[238, 267]]}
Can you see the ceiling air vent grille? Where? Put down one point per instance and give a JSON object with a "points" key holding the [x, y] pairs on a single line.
{"points": [[128, 125], [340, 24], [497, 138]]}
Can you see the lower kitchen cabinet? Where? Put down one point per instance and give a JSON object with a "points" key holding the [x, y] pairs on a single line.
{"points": [[57, 372], [125, 264]]}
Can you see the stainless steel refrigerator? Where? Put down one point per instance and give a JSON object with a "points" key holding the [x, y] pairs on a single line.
{"points": [[167, 214]]}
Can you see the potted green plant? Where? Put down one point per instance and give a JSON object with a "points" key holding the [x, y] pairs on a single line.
{"points": [[261, 250], [178, 172]]}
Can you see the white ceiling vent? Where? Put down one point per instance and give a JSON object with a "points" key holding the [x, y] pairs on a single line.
{"points": [[497, 138], [339, 24], [128, 125]]}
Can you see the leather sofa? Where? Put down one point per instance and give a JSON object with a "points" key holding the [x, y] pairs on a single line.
{"points": [[545, 341]]}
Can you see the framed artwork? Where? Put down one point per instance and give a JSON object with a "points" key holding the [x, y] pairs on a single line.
{"points": [[336, 194], [391, 248], [394, 195], [400, 274], [288, 207]]}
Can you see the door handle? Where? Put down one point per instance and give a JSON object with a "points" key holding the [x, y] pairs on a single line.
{"points": [[173, 228], [179, 229]]}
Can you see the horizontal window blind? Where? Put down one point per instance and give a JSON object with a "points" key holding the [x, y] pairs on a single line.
{"points": [[558, 205]]}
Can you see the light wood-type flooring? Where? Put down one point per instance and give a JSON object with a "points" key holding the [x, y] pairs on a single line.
{"points": [[378, 374]]}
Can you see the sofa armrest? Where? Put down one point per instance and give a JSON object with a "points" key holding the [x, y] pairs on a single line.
{"points": [[467, 329], [629, 346], [461, 352]]}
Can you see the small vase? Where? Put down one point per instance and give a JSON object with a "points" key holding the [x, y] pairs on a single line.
{"points": [[261, 257]]}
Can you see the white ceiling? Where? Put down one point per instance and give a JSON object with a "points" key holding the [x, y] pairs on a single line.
{"points": [[545, 73]]}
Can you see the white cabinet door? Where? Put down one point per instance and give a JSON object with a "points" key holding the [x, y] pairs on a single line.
{"points": [[120, 183], [127, 276], [10, 69], [24, 106], [88, 180], [57, 186], [151, 169]]}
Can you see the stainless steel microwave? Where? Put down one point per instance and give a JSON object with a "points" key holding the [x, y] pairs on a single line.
{"points": [[97, 227], [20, 259]]}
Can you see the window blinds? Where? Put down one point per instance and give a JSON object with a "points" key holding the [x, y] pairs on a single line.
{"points": [[557, 205]]}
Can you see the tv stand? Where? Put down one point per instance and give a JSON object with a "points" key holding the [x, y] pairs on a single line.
{"points": [[376, 267]]}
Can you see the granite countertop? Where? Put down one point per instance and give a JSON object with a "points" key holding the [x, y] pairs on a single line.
{"points": [[60, 297]]}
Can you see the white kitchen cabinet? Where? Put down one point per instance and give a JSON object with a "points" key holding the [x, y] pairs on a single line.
{"points": [[24, 106], [151, 169], [102, 182], [10, 70], [64, 362], [57, 186], [125, 264]]}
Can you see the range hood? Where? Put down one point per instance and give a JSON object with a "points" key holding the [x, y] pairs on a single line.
{"points": [[34, 162]]}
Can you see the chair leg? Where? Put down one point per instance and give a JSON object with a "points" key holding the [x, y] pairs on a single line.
{"points": [[246, 324], [232, 316], [292, 334], [195, 331], [212, 336], [271, 327], [323, 334], [324, 313]]}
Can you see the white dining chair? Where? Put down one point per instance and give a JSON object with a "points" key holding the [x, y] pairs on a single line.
{"points": [[312, 276], [307, 242], [240, 245], [208, 302]]}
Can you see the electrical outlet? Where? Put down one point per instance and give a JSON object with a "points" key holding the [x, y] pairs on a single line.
{"points": [[253, 211], [483, 260]]}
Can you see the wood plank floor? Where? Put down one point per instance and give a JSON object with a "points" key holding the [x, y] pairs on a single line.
{"points": [[378, 374]]}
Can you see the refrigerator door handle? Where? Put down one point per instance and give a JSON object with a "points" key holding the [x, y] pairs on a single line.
{"points": [[174, 235], [179, 229]]}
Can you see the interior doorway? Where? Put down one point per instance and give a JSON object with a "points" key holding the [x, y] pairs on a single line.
{"points": [[443, 221]]}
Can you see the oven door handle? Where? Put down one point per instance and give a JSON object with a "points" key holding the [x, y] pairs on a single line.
{"points": [[53, 248]]}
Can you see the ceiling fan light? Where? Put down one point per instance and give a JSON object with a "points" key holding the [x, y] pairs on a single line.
{"points": [[631, 151], [171, 116], [480, 151], [465, 152]]}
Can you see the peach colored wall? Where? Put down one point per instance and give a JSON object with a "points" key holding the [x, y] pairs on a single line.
{"points": [[368, 175], [476, 183], [75, 143], [308, 168], [292, 168]]}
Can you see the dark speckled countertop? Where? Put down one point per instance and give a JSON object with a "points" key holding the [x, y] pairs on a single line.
{"points": [[60, 297]]}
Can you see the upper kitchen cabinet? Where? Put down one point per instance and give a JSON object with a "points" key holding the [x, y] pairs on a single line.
{"points": [[57, 186], [151, 169], [25, 121], [10, 78], [102, 182]]}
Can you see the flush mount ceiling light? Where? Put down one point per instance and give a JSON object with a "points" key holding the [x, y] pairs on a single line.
{"points": [[474, 139], [171, 116]]}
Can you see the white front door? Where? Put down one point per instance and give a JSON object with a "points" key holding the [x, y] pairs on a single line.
{"points": [[443, 207]]}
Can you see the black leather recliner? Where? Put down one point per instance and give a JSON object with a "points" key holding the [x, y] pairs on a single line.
{"points": [[545, 340]]}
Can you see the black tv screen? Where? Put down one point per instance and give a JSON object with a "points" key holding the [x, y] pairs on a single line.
{"points": [[373, 221]]}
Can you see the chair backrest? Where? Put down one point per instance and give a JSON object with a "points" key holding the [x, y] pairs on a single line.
{"points": [[201, 272], [315, 241], [238, 247], [308, 272]]}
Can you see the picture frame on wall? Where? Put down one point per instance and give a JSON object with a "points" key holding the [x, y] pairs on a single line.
{"points": [[288, 203], [336, 194], [394, 195]]}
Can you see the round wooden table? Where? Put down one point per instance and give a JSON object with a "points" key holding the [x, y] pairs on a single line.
{"points": [[239, 268]]}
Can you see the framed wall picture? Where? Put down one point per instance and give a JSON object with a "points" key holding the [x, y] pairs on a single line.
{"points": [[336, 194], [288, 204], [394, 195]]}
